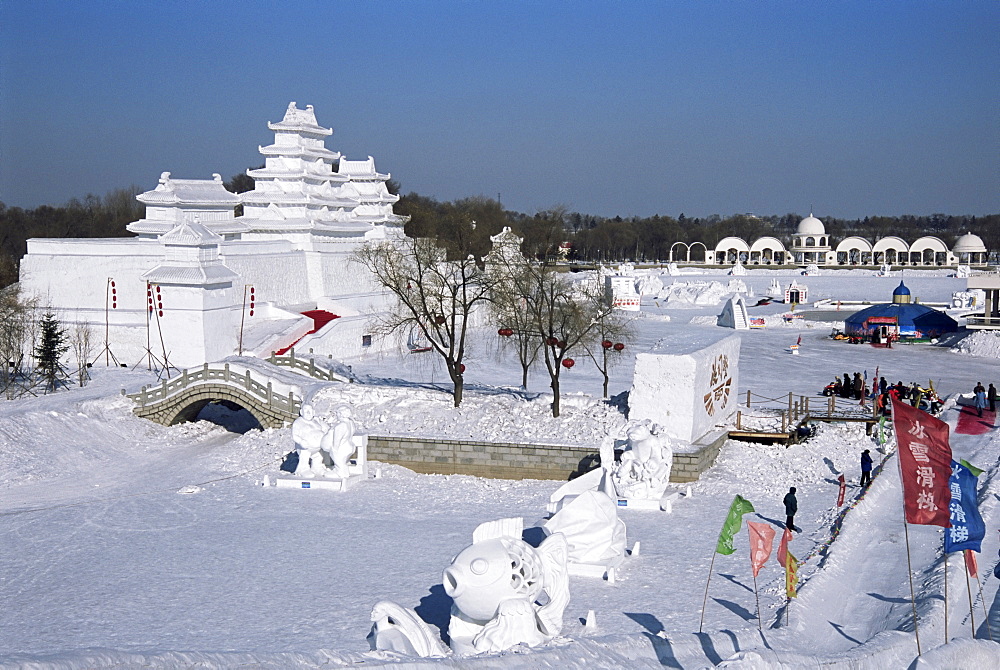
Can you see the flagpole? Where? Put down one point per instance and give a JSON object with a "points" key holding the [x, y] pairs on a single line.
{"points": [[989, 626], [972, 615], [945, 594], [705, 601], [755, 595], [909, 571]]}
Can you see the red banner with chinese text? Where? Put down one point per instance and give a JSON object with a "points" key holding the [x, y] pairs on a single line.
{"points": [[925, 461]]}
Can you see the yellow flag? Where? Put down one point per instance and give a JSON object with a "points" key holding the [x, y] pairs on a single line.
{"points": [[791, 575]]}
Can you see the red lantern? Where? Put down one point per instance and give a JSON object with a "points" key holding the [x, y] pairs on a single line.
{"points": [[568, 363], [607, 344], [501, 331], [112, 283], [619, 346], [552, 341], [562, 344], [439, 320], [160, 312], [461, 368], [251, 312]]}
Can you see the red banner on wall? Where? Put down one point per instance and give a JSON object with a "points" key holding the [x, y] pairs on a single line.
{"points": [[925, 461]]}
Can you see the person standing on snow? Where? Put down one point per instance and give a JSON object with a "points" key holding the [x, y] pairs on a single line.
{"points": [[991, 395], [859, 386], [980, 392], [866, 468], [791, 507]]}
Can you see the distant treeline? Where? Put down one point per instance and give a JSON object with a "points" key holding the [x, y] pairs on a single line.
{"points": [[593, 238]]}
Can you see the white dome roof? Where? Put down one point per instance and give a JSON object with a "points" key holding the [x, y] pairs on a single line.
{"points": [[969, 243], [811, 226]]}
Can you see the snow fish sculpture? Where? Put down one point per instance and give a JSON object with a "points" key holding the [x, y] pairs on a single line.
{"points": [[496, 583]]}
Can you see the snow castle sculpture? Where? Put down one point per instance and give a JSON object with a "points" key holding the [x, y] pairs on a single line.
{"points": [[496, 584]]}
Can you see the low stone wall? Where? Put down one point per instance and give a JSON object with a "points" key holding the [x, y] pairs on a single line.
{"points": [[499, 460], [689, 466]]}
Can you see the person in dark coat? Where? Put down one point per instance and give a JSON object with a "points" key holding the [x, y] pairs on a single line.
{"points": [[791, 507], [991, 395], [866, 468], [858, 386], [883, 385], [845, 390], [915, 394]]}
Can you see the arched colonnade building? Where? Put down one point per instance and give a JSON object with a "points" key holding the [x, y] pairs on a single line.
{"points": [[811, 245]]}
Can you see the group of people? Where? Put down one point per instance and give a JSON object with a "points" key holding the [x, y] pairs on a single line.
{"points": [[915, 394], [985, 398], [848, 387]]}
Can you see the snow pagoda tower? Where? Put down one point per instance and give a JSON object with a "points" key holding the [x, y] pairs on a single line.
{"points": [[309, 210]]}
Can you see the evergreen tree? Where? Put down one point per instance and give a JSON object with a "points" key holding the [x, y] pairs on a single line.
{"points": [[50, 348]]}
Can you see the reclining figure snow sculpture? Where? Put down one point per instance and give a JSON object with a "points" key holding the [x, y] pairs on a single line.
{"points": [[644, 470], [307, 434], [495, 583], [595, 536]]}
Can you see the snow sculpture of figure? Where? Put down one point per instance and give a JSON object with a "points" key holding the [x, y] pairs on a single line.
{"points": [[594, 533], [495, 583], [308, 433], [339, 442], [644, 471]]}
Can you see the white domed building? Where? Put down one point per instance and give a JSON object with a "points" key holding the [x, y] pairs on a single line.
{"points": [[810, 243], [969, 250]]}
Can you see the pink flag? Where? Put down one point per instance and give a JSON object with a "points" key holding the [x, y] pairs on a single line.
{"points": [[761, 542], [970, 564], [783, 547], [843, 490], [925, 461], [799, 341]]}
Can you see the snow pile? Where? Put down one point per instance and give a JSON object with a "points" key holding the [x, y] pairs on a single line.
{"points": [[498, 416], [699, 293], [984, 343], [648, 285]]}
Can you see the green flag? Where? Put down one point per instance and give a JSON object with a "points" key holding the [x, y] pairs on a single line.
{"points": [[972, 468], [739, 507]]}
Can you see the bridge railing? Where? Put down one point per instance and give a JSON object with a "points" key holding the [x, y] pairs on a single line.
{"points": [[264, 392], [307, 365]]}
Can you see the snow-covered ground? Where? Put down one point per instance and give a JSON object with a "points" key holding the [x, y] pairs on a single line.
{"points": [[104, 564]]}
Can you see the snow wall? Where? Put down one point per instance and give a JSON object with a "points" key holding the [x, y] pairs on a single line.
{"points": [[687, 393]]}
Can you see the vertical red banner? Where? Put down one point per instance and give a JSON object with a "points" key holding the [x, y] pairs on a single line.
{"points": [[761, 542], [970, 564], [843, 490], [925, 461]]}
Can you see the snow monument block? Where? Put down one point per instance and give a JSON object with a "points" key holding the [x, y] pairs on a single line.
{"points": [[686, 390]]}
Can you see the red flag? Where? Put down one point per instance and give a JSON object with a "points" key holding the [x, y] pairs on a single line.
{"points": [[843, 490], [799, 341], [761, 542], [970, 564], [783, 547], [925, 461]]}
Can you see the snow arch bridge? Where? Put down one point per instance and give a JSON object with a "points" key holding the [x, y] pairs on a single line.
{"points": [[259, 387]]}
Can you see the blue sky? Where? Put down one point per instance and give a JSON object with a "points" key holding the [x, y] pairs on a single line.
{"points": [[637, 108]]}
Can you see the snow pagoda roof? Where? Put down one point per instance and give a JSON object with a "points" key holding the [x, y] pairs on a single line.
{"points": [[300, 121], [190, 234], [191, 192], [360, 169]]}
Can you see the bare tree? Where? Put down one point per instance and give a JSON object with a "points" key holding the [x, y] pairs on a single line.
{"points": [[607, 342], [81, 340], [434, 295], [17, 320], [558, 314]]}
